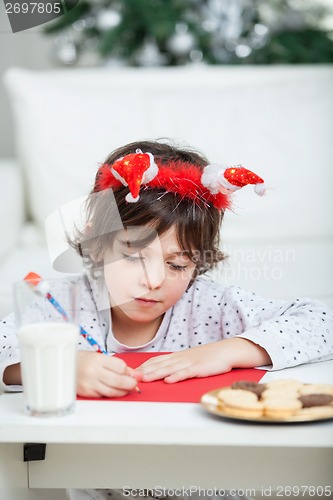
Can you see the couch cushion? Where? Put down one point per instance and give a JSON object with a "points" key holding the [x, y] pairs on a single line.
{"points": [[29, 254], [12, 211], [275, 120]]}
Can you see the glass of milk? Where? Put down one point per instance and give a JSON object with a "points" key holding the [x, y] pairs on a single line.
{"points": [[48, 332]]}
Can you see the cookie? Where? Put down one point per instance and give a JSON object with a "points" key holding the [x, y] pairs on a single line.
{"points": [[280, 394], [278, 399], [316, 389], [246, 410], [281, 408], [316, 412], [246, 385], [236, 395], [240, 403], [309, 400], [284, 384]]}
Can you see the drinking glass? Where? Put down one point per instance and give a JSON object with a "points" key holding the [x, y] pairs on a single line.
{"points": [[46, 316]]}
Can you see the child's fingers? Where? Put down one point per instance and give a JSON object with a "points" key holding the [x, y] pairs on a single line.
{"points": [[119, 366], [155, 362], [101, 391], [158, 369], [117, 381], [100, 375], [179, 375], [115, 364], [134, 373], [167, 369], [106, 391]]}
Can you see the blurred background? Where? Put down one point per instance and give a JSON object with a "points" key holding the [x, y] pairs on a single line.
{"points": [[244, 81], [157, 33]]}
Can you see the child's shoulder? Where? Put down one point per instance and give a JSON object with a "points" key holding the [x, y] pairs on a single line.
{"points": [[81, 282], [205, 284], [205, 287], [67, 281], [205, 294], [209, 287]]}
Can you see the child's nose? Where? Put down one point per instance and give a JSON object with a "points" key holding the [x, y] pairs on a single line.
{"points": [[153, 274]]}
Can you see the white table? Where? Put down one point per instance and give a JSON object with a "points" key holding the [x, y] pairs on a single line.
{"points": [[174, 445]]}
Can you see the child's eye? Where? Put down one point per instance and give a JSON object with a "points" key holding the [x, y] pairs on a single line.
{"points": [[177, 267], [133, 258]]}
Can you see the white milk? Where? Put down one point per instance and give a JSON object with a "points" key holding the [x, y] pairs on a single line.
{"points": [[48, 364]]}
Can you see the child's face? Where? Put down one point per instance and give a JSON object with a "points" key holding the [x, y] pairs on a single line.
{"points": [[144, 282]]}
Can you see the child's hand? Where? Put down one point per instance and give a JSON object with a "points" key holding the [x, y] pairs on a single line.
{"points": [[99, 375], [203, 361], [195, 362]]}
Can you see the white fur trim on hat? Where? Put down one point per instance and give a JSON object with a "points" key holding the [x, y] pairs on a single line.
{"points": [[119, 177], [151, 172], [209, 177], [213, 179]]}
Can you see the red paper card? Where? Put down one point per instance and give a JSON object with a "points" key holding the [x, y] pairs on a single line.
{"points": [[187, 391]]}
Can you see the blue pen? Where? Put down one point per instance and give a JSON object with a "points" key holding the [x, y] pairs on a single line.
{"points": [[34, 280]]}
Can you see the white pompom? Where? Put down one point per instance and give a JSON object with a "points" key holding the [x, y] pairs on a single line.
{"points": [[130, 198], [260, 189]]}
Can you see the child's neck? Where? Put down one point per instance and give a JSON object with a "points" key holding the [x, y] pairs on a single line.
{"points": [[130, 332]]}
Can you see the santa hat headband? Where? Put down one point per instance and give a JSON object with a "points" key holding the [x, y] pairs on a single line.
{"points": [[212, 186]]}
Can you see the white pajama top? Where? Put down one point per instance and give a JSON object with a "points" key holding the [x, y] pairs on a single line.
{"points": [[292, 332]]}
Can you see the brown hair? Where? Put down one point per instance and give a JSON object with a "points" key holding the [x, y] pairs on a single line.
{"points": [[197, 225]]}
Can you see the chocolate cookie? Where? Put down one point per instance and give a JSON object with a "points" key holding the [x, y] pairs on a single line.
{"points": [[246, 385], [315, 400]]}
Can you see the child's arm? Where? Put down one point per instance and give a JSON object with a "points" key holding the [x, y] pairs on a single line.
{"points": [[97, 376], [254, 331], [12, 375], [104, 376], [203, 361]]}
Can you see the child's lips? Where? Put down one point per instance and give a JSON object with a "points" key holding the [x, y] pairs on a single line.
{"points": [[146, 301]]}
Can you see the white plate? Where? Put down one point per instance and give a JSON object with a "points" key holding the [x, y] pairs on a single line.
{"points": [[210, 403]]}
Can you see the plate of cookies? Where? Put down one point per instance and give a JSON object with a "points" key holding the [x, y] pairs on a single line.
{"points": [[278, 401]]}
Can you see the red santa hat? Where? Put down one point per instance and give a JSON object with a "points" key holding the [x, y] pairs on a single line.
{"points": [[218, 178], [133, 170]]}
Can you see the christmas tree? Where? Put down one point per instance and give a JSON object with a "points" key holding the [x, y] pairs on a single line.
{"points": [[176, 32]]}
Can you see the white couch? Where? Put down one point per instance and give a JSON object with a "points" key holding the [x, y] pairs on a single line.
{"points": [[275, 120]]}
